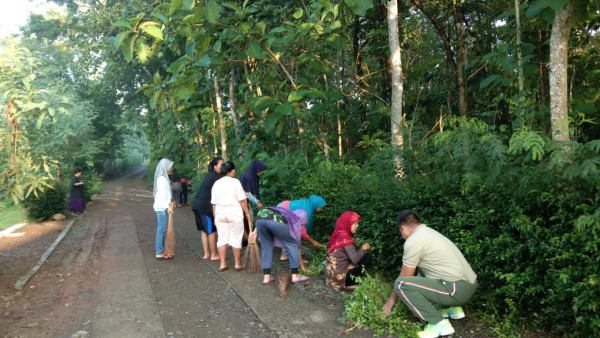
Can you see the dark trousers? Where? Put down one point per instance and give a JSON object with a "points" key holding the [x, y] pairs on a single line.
{"points": [[184, 194], [359, 271]]}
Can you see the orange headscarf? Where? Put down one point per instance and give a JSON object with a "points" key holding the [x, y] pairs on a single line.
{"points": [[342, 235]]}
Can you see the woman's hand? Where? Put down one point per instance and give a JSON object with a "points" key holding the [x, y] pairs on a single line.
{"points": [[315, 243], [260, 205], [252, 237], [366, 246]]}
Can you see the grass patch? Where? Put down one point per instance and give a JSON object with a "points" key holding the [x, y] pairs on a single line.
{"points": [[11, 214]]}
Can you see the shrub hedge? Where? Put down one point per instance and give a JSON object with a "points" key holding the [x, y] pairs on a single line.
{"points": [[47, 203]]}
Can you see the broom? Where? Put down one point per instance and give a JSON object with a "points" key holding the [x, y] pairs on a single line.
{"points": [[170, 238], [251, 258], [282, 279]]}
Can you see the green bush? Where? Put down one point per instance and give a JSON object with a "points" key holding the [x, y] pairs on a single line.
{"points": [[364, 309], [46, 203], [92, 185]]}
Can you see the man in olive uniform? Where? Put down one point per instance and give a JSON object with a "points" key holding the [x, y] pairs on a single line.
{"points": [[448, 278]]}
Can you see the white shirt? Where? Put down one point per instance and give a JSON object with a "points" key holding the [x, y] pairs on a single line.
{"points": [[227, 192], [161, 199]]}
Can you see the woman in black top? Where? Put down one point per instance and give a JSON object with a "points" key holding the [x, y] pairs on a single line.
{"points": [[203, 210]]}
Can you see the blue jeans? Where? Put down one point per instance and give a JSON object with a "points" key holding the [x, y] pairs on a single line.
{"points": [[266, 230], [161, 227]]}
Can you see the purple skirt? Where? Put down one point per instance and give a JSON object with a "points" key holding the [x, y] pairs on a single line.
{"points": [[76, 204]]}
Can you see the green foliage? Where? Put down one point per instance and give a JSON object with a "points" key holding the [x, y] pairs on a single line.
{"points": [[92, 186], [43, 205], [316, 261], [11, 214], [364, 309]]}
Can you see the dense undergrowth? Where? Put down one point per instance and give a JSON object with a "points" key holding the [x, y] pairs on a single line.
{"points": [[525, 213]]}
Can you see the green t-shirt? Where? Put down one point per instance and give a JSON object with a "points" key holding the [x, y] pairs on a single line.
{"points": [[436, 256]]}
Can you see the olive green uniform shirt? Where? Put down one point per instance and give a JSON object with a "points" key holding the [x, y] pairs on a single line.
{"points": [[436, 256]]}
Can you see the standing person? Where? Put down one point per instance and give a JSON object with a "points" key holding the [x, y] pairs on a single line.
{"points": [[311, 205], [343, 261], [448, 278], [203, 211], [175, 187], [250, 182], [184, 192], [229, 208], [163, 204], [76, 199], [277, 224]]}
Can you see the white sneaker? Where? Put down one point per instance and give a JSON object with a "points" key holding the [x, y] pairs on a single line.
{"points": [[442, 328], [453, 312]]}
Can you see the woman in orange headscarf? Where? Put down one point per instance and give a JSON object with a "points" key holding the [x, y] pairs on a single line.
{"points": [[343, 261]]}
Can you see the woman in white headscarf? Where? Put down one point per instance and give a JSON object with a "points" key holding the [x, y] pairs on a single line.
{"points": [[162, 204]]}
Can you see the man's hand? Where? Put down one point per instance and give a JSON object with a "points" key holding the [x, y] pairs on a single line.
{"points": [[260, 205], [387, 307], [366, 246]]}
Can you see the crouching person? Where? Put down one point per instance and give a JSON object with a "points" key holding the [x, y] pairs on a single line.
{"points": [[448, 279], [343, 261]]}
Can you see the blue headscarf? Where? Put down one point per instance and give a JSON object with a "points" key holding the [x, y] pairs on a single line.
{"points": [[309, 205], [250, 179]]}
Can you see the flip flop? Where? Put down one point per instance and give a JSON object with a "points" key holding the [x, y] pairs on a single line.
{"points": [[302, 278], [267, 283], [205, 257], [214, 259], [223, 269], [163, 258], [284, 259], [239, 268]]}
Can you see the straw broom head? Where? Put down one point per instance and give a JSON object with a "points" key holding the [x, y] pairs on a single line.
{"points": [[282, 279], [255, 261], [170, 237]]}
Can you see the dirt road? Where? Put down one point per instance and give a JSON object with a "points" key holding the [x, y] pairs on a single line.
{"points": [[103, 281]]}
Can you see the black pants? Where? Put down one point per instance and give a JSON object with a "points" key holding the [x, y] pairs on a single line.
{"points": [[184, 193], [365, 263]]}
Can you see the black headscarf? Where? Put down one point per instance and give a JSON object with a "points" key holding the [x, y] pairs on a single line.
{"points": [[174, 177], [250, 179]]}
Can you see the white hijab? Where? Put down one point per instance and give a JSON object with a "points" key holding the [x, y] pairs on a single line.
{"points": [[162, 169]]}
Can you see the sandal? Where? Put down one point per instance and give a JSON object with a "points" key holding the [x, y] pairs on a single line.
{"points": [[223, 268], [163, 257], [302, 278], [266, 283], [239, 268]]}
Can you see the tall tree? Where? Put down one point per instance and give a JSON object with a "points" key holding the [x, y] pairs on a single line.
{"points": [[397, 88], [559, 48]]}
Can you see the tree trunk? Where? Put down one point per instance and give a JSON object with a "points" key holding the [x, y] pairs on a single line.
{"points": [[397, 86], [559, 43], [221, 118], [461, 62], [542, 77], [520, 63], [236, 126]]}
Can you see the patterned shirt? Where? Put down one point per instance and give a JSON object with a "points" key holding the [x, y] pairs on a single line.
{"points": [[271, 215]]}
